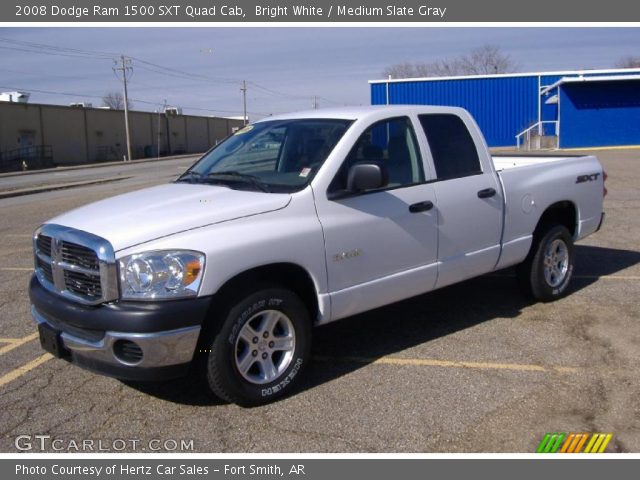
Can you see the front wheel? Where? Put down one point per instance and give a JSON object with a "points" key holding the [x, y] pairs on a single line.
{"points": [[261, 348], [547, 271]]}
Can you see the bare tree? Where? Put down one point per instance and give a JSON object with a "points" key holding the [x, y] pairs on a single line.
{"points": [[409, 70], [487, 59], [115, 101], [628, 62]]}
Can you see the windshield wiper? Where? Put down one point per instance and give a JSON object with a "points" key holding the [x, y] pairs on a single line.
{"points": [[191, 176], [236, 176]]}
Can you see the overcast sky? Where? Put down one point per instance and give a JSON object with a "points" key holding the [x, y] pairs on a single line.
{"points": [[286, 67]]}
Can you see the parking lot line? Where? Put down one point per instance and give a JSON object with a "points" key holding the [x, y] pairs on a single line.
{"points": [[18, 372], [16, 269], [17, 342], [423, 362]]}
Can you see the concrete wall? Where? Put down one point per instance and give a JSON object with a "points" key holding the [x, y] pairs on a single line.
{"points": [[79, 135]]}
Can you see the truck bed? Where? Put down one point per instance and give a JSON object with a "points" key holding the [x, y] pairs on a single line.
{"points": [[508, 162], [532, 183]]}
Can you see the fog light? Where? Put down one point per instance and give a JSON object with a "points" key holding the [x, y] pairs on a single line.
{"points": [[127, 352]]}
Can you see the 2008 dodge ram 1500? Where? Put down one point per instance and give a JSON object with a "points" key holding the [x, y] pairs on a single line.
{"points": [[294, 221]]}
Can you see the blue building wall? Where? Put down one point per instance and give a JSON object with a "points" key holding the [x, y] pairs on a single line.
{"points": [[504, 106], [501, 106], [599, 114]]}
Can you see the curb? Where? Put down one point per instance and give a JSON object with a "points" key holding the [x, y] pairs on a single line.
{"points": [[50, 188], [97, 165]]}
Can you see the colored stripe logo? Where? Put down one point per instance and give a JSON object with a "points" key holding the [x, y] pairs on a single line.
{"points": [[559, 442]]}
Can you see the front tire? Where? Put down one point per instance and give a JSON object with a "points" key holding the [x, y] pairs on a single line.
{"points": [[262, 346], [547, 271]]}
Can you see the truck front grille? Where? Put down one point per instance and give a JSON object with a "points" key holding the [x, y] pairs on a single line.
{"points": [[83, 284], [45, 269], [44, 245], [81, 256], [67, 262]]}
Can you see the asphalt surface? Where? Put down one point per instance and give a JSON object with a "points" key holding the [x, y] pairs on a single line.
{"points": [[470, 368]]}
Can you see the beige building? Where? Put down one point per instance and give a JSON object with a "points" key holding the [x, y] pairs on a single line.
{"points": [[52, 135]]}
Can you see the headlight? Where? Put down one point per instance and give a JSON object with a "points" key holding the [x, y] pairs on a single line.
{"points": [[161, 274]]}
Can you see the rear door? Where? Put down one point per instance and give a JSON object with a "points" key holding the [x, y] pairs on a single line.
{"points": [[469, 199]]}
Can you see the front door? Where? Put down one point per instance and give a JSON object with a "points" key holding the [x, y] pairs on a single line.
{"points": [[381, 245]]}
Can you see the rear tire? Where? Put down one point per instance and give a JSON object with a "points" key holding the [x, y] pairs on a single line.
{"points": [[547, 270], [261, 348]]}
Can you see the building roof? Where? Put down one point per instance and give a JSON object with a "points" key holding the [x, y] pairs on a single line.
{"points": [[510, 75], [581, 79]]}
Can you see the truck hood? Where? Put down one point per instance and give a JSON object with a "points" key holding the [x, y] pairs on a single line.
{"points": [[145, 215]]}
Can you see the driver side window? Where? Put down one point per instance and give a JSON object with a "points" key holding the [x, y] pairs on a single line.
{"points": [[391, 144]]}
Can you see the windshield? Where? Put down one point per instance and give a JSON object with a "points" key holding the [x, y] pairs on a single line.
{"points": [[270, 156]]}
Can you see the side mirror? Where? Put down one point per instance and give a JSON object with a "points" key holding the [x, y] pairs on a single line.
{"points": [[366, 176]]}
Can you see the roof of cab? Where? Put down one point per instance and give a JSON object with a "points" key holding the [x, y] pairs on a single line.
{"points": [[356, 113]]}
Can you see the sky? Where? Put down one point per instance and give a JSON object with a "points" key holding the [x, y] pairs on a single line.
{"points": [[202, 68]]}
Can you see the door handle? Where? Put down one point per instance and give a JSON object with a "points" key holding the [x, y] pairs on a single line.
{"points": [[421, 207], [487, 193]]}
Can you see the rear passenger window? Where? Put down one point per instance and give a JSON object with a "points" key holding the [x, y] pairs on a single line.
{"points": [[453, 150]]}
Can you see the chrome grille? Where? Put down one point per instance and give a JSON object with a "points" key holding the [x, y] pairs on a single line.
{"points": [[44, 245], [83, 284], [80, 256], [75, 264], [45, 268]]}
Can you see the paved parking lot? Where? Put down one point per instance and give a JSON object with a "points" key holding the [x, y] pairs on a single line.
{"points": [[470, 368]]}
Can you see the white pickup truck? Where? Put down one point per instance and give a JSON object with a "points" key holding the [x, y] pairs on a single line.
{"points": [[295, 221]]}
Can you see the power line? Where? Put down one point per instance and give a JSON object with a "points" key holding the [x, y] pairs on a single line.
{"points": [[53, 49], [146, 65], [133, 100], [41, 48], [186, 74], [276, 93], [53, 53]]}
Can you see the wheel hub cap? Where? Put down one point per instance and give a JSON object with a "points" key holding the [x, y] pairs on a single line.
{"points": [[265, 360], [556, 263]]}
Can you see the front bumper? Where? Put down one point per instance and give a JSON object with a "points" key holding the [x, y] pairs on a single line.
{"points": [[92, 337]]}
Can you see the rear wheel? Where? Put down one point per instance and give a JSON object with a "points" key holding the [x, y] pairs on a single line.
{"points": [[547, 271], [261, 348]]}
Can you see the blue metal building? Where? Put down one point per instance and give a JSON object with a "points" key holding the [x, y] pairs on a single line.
{"points": [[569, 109]]}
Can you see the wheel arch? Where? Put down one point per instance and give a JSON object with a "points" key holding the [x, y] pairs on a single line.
{"points": [[560, 213], [284, 274]]}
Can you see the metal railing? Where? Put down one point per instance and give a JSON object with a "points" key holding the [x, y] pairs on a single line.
{"points": [[540, 130]]}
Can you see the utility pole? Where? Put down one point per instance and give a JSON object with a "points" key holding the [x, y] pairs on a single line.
{"points": [[164, 106], [126, 68], [244, 101], [315, 102]]}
